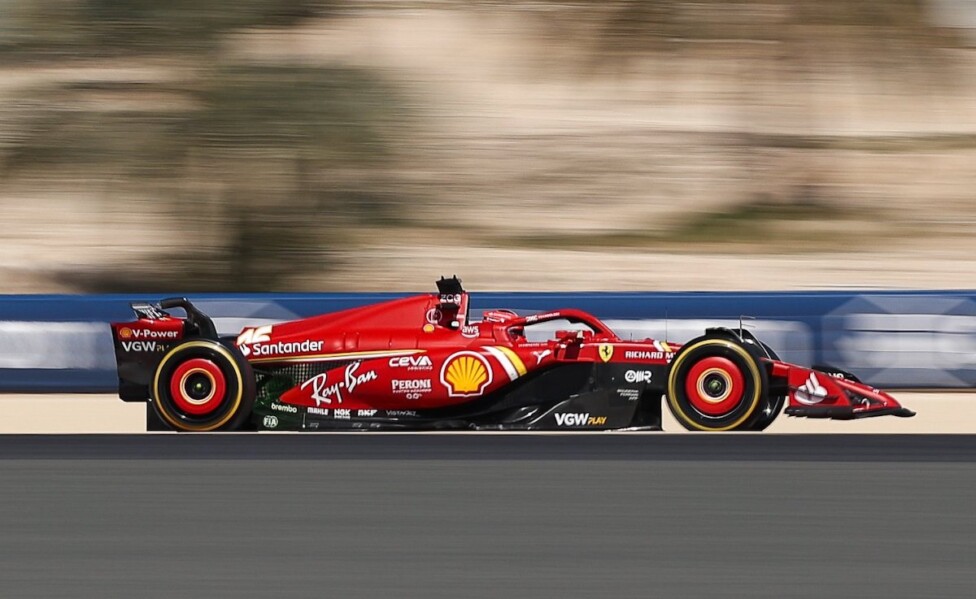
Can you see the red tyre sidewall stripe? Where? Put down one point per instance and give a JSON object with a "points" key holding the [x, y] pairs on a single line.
{"points": [[186, 404], [730, 371]]}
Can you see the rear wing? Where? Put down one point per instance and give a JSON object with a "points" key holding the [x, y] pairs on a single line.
{"points": [[140, 344]]}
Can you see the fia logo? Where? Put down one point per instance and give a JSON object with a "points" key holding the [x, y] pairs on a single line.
{"points": [[606, 352]]}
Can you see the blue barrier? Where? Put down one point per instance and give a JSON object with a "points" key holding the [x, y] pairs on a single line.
{"points": [[894, 339]]}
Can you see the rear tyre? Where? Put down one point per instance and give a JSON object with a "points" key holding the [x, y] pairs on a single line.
{"points": [[717, 384], [202, 385]]}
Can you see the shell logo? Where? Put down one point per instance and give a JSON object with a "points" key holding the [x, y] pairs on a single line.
{"points": [[466, 374], [125, 333]]}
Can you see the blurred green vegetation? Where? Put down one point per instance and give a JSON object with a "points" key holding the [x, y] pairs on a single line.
{"points": [[267, 167], [264, 165], [85, 28]]}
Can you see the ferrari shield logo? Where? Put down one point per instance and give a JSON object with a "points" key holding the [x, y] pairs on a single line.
{"points": [[606, 352]]}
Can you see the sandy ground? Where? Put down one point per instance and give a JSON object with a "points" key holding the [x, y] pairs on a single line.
{"points": [[937, 413]]}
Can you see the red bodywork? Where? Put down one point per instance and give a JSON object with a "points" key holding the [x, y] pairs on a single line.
{"points": [[420, 353]]}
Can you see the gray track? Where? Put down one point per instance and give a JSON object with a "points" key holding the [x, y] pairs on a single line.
{"points": [[362, 515]]}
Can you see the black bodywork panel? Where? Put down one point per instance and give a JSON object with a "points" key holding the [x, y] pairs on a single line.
{"points": [[570, 396]]}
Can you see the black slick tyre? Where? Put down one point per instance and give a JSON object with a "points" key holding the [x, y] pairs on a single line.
{"points": [[202, 385], [717, 384], [772, 405]]}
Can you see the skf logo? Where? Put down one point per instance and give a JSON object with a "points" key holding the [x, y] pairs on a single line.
{"points": [[606, 352], [580, 420], [466, 374], [255, 335], [125, 333]]}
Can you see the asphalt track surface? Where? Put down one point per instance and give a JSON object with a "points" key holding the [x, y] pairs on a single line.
{"points": [[455, 515]]}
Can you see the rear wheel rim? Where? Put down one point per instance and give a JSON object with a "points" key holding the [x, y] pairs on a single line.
{"points": [[198, 387]]}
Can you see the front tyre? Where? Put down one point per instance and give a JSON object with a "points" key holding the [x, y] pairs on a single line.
{"points": [[716, 384], [201, 385], [772, 406]]}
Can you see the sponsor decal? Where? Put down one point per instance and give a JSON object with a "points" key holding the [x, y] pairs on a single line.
{"points": [[143, 334], [466, 374], [143, 346], [260, 334], [342, 414], [811, 392], [541, 355], [282, 347], [544, 316], [318, 411], [412, 362], [411, 385], [470, 331], [270, 421], [327, 392], [365, 413], [643, 355], [638, 376], [629, 394], [411, 388], [278, 407], [450, 298], [606, 352], [428, 328], [580, 420], [434, 316], [401, 413]]}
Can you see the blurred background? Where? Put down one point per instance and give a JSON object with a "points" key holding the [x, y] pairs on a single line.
{"points": [[318, 145]]}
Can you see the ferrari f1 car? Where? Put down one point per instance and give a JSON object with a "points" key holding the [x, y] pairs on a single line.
{"points": [[420, 363]]}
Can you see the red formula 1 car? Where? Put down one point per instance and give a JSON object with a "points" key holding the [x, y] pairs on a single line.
{"points": [[418, 363]]}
